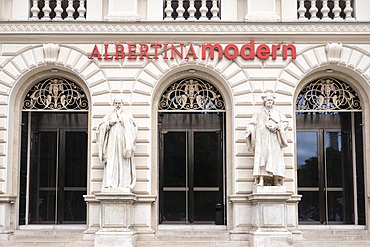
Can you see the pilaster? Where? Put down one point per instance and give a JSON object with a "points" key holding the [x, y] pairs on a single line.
{"points": [[262, 10], [119, 10]]}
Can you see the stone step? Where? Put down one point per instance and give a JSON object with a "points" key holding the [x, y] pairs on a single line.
{"points": [[185, 235], [192, 243], [328, 243], [336, 235], [47, 243], [47, 235]]}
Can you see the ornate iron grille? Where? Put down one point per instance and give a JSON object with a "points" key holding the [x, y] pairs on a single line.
{"points": [[327, 94], [192, 94], [55, 94]]}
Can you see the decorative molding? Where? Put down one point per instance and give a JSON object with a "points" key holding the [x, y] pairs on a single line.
{"points": [[55, 94], [51, 52], [183, 27], [333, 52], [191, 94], [328, 94]]}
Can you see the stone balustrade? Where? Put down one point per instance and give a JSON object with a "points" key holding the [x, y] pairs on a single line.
{"points": [[192, 10], [58, 10], [325, 10]]}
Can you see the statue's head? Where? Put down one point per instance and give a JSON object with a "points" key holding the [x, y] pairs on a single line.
{"points": [[117, 102], [268, 100]]}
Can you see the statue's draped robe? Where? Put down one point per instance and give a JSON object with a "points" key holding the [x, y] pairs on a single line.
{"points": [[116, 150], [266, 145]]}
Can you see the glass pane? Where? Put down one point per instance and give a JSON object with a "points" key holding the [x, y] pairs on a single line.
{"points": [[23, 169], [308, 207], [307, 159], [75, 159], [334, 159], [74, 206], [174, 159], [42, 180], [360, 174], [174, 204], [338, 209], [207, 159], [205, 205], [47, 158], [44, 209]]}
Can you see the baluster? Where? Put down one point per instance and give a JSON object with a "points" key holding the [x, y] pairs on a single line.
{"points": [[168, 10], [336, 10], [70, 10], [47, 10], [203, 11], [325, 11], [313, 10], [35, 10], [348, 11], [81, 10], [180, 11], [301, 10], [58, 11], [215, 11], [192, 11]]}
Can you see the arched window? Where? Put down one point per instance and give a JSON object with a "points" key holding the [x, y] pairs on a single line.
{"points": [[191, 123], [330, 153], [53, 167]]}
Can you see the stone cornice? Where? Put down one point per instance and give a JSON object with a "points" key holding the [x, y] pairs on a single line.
{"points": [[188, 31]]}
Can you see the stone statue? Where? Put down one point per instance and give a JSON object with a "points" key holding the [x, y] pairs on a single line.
{"points": [[266, 137], [116, 138]]}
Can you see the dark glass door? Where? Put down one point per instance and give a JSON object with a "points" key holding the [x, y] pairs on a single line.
{"points": [[191, 167], [326, 169], [57, 168]]}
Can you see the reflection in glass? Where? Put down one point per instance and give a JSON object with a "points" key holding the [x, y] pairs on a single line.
{"points": [[174, 206], [75, 160], [43, 179], [175, 159], [206, 159], [308, 207], [334, 161], [205, 205], [74, 206], [307, 159]]}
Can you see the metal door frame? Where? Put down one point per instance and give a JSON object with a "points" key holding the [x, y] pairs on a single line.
{"points": [[189, 188]]}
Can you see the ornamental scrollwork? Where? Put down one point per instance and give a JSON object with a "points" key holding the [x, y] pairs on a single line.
{"points": [[55, 94], [327, 94], [192, 94]]}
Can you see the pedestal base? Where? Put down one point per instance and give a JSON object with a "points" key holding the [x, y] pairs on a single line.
{"points": [[115, 239], [270, 217], [271, 238], [115, 220]]}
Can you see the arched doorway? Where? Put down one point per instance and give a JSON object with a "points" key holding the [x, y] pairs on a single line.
{"points": [[53, 166], [191, 124], [330, 158]]}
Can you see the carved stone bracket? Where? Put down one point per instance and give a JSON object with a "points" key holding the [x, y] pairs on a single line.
{"points": [[51, 52], [333, 51]]}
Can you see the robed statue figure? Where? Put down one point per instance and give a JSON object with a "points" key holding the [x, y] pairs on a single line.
{"points": [[266, 137], [116, 138]]}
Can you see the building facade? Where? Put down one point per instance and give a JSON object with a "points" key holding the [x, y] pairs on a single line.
{"points": [[192, 74]]}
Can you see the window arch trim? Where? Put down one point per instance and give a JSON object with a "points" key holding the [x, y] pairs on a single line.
{"points": [[328, 95], [55, 94]]}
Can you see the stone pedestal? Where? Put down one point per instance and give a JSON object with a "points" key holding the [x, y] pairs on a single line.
{"points": [[269, 217], [6, 203], [116, 216]]}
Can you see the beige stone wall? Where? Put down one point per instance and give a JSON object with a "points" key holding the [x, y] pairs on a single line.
{"points": [[139, 82]]}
